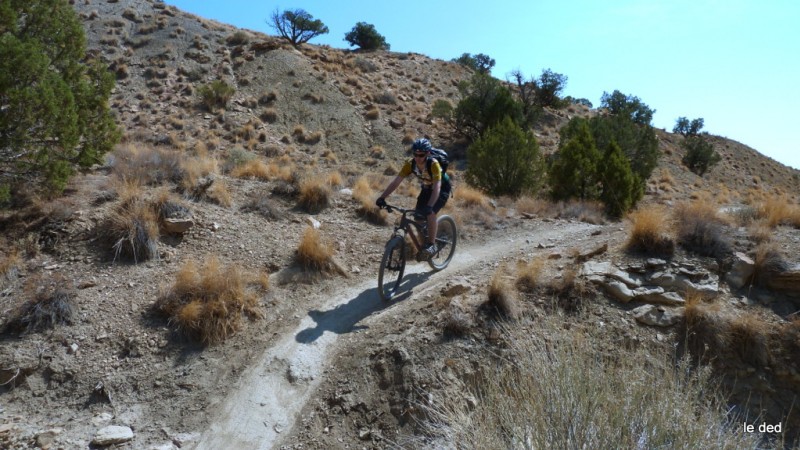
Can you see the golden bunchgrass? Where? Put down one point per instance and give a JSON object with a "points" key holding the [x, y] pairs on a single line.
{"points": [[334, 179], [502, 297], [365, 196], [219, 193], [778, 210], [255, 168], [528, 273], [10, 264], [196, 167], [207, 301], [470, 197], [145, 164], [760, 232], [768, 261], [648, 232], [701, 228], [531, 205], [314, 195], [567, 387], [131, 230], [316, 255]]}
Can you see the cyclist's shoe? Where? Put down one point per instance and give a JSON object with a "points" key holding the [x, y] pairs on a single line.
{"points": [[430, 250]]}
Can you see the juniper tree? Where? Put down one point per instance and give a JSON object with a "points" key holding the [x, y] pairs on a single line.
{"points": [[54, 112]]}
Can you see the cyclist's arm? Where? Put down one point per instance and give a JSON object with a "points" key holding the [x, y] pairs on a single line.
{"points": [[392, 186], [435, 189]]}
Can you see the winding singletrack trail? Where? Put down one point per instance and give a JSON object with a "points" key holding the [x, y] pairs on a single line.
{"points": [[272, 392]]}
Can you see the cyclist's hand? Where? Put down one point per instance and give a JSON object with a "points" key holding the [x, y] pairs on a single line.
{"points": [[426, 211], [380, 202]]}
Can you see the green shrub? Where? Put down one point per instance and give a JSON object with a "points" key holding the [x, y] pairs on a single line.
{"points": [[485, 102], [548, 89], [297, 26], [573, 172], [628, 125], [505, 161], [700, 155], [617, 181], [442, 109], [480, 63], [238, 38], [366, 37], [54, 113], [578, 170], [216, 94], [687, 128]]}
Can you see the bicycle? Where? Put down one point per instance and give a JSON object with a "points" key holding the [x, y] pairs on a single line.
{"points": [[394, 257]]}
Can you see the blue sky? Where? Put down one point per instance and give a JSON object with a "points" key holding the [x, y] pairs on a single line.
{"points": [[735, 63]]}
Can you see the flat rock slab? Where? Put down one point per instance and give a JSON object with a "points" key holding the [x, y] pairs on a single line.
{"points": [[658, 316], [112, 434]]}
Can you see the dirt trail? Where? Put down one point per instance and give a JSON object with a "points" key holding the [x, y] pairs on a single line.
{"points": [[272, 391]]}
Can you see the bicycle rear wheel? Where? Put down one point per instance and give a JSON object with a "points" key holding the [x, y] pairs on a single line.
{"points": [[446, 238], [393, 264]]}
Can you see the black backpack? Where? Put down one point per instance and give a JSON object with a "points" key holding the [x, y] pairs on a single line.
{"points": [[440, 156]]}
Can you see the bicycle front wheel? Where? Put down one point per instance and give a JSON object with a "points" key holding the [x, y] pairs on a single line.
{"points": [[393, 264], [446, 238]]}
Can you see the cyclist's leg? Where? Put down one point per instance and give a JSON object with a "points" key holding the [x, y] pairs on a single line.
{"points": [[433, 225]]}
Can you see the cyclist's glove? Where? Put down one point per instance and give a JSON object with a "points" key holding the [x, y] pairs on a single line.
{"points": [[425, 211], [380, 202]]}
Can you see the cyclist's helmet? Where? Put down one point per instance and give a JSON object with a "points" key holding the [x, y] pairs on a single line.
{"points": [[421, 145]]}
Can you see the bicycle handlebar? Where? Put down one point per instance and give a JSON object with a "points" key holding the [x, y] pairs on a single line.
{"points": [[391, 208]]}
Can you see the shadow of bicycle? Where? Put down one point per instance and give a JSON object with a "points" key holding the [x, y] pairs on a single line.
{"points": [[344, 318]]}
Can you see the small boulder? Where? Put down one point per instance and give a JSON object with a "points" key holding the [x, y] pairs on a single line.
{"points": [[177, 225], [741, 270], [112, 434], [658, 316], [619, 290]]}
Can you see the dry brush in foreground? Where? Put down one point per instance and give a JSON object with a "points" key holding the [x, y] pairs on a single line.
{"points": [[566, 392]]}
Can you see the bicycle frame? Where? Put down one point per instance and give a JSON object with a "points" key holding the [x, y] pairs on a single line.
{"points": [[409, 227]]}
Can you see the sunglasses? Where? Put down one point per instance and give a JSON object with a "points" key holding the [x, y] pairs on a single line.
{"points": [[420, 154]]}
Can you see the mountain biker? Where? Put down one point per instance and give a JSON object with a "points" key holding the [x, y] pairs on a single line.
{"points": [[435, 186]]}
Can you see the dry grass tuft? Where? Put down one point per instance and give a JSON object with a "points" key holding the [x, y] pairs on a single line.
{"points": [[365, 196], [219, 193], [264, 206], [502, 298], [207, 302], [10, 265], [197, 168], [760, 232], [146, 165], [768, 262], [533, 206], [254, 168], [131, 230], [49, 302], [455, 320], [470, 197], [778, 210], [569, 290], [372, 114], [335, 179], [749, 337], [648, 234], [313, 138], [528, 274], [561, 388], [701, 229], [316, 255], [314, 195]]}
